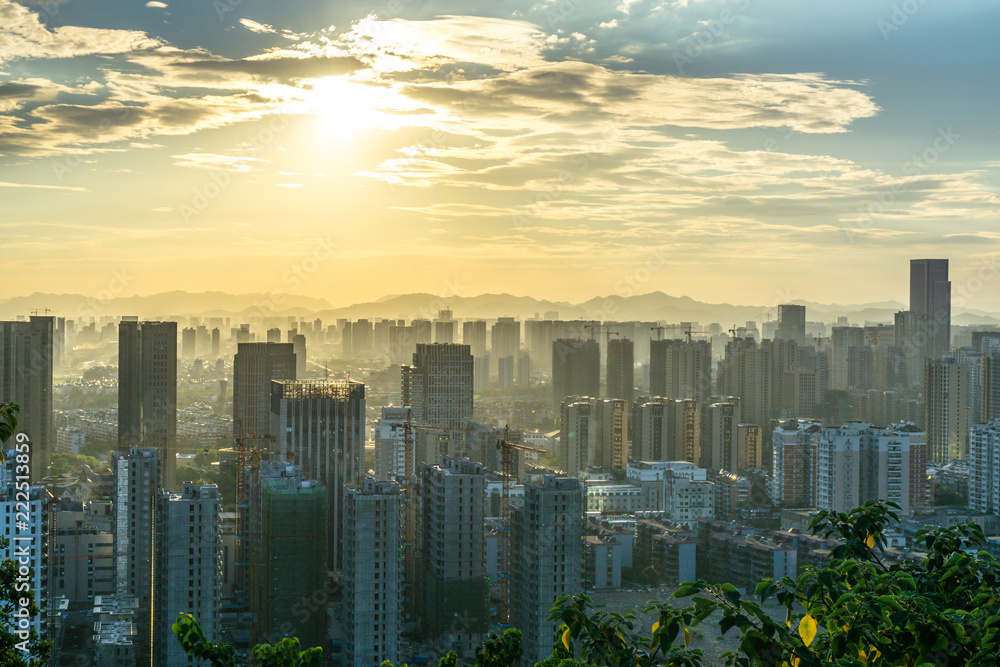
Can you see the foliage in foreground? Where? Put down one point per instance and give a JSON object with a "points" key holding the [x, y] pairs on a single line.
{"points": [[941, 609]]}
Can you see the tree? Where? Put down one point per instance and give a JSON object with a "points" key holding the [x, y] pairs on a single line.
{"points": [[16, 650], [285, 653]]}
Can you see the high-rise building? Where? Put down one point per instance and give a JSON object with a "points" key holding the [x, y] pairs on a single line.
{"points": [[546, 558], [612, 433], [372, 574], [857, 463], [523, 378], [947, 400], [749, 448], [577, 435], [791, 323], [444, 331], [505, 373], [287, 555], [24, 512], [680, 369], [438, 386], [320, 426], [793, 463], [274, 335], [474, 335], [147, 391], [254, 367], [186, 568], [505, 338], [137, 478], [724, 453], [930, 299], [301, 360], [991, 388], [621, 369], [842, 340], [454, 592], [188, 342], [216, 342], [390, 445], [666, 429], [984, 462], [576, 369], [26, 363]]}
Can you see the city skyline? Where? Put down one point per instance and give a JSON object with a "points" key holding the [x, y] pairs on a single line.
{"points": [[182, 143]]}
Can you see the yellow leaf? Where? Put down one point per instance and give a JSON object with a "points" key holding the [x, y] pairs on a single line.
{"points": [[687, 638], [870, 541], [807, 629], [565, 639], [656, 626], [795, 661], [788, 618]]}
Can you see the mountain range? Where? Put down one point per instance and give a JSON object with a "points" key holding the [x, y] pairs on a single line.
{"points": [[644, 307]]}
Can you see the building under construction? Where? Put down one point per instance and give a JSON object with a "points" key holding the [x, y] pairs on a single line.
{"points": [[287, 555]]}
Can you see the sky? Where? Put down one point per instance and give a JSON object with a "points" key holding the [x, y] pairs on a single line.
{"points": [[740, 151]]}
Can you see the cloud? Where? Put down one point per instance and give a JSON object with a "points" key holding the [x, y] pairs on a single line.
{"points": [[31, 186], [236, 163], [253, 26], [154, 4], [284, 69]]}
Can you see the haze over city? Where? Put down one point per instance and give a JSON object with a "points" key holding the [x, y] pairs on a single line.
{"points": [[543, 149], [520, 333]]}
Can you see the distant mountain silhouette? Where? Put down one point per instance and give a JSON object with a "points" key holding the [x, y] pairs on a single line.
{"points": [[642, 307]]}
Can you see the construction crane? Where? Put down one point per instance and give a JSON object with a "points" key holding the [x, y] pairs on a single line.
{"points": [[659, 329], [40, 310], [688, 332], [507, 449]]}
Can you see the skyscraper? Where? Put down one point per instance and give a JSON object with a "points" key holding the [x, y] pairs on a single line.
{"points": [[946, 394], [680, 369], [147, 390], [546, 558], [287, 554], [137, 477], [26, 363], [454, 592], [438, 386], [621, 369], [577, 435], [188, 342], [506, 338], [791, 323], [666, 429], [373, 573], [576, 369], [474, 335], [320, 426], [186, 568], [843, 339], [612, 434], [254, 367], [930, 298]]}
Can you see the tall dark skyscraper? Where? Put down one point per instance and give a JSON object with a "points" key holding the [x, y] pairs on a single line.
{"points": [[254, 366], [26, 361], [147, 390], [438, 386], [930, 298], [576, 369], [621, 369], [791, 323]]}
